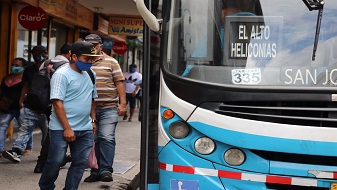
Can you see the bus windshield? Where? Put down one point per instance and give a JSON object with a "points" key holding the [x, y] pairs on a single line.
{"points": [[251, 42]]}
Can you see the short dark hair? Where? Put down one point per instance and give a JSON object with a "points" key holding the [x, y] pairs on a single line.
{"points": [[23, 61], [65, 48], [133, 66]]}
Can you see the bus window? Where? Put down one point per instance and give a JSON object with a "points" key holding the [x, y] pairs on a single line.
{"points": [[270, 40]]}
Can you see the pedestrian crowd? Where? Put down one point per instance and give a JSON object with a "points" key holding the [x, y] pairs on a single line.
{"points": [[46, 94]]}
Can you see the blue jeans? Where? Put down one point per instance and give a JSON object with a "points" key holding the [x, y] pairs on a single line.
{"points": [[5, 119], [105, 140], [79, 150], [28, 120]]}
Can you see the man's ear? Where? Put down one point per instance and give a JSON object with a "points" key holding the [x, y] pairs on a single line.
{"points": [[73, 58]]}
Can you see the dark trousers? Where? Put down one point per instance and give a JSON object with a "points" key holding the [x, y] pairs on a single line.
{"points": [[42, 158]]}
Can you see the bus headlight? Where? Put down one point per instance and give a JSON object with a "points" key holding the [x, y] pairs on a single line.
{"points": [[234, 157], [204, 145], [179, 129]]}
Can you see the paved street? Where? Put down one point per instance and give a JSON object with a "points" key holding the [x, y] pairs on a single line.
{"points": [[20, 176]]}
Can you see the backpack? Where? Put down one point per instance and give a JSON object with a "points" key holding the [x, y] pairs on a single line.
{"points": [[38, 96]]}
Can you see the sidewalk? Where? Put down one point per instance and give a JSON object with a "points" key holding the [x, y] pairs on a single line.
{"points": [[18, 176]]}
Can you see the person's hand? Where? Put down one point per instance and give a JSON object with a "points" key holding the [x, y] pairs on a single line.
{"points": [[69, 135], [121, 109], [21, 101], [134, 94], [21, 104], [94, 128], [48, 69]]}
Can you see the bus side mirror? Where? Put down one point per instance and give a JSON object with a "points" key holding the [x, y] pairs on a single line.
{"points": [[153, 23]]}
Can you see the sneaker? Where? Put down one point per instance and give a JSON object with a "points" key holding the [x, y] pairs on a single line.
{"points": [[106, 177], [12, 156], [92, 178], [125, 117]]}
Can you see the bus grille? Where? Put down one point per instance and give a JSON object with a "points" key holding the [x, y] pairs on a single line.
{"points": [[296, 158], [319, 114]]}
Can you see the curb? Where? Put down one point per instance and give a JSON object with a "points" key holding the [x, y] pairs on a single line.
{"points": [[127, 180], [135, 181]]}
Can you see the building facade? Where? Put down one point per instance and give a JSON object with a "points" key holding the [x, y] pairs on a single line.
{"points": [[51, 23]]}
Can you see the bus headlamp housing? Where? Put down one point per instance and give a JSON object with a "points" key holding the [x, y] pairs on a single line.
{"points": [[204, 145], [179, 130], [234, 157]]}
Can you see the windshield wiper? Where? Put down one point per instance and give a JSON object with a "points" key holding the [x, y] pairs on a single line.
{"points": [[316, 5]]}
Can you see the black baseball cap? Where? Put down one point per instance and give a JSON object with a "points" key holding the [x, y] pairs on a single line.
{"points": [[93, 38], [84, 48], [40, 48]]}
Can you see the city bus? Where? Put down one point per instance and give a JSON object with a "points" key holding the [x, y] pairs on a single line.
{"points": [[247, 95]]}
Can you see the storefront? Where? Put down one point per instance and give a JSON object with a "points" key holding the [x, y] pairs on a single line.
{"points": [[132, 29], [64, 21]]}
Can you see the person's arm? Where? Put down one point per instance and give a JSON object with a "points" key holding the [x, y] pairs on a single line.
{"points": [[134, 93], [24, 92], [68, 133], [93, 115], [122, 97], [140, 78]]}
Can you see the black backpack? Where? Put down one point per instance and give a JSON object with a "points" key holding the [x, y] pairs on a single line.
{"points": [[38, 96]]}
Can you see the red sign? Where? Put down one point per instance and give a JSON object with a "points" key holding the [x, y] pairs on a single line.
{"points": [[32, 18], [120, 47]]}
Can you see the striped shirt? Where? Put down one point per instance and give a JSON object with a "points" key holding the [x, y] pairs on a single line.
{"points": [[107, 72]]}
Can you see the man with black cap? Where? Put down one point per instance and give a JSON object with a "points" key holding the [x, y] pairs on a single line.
{"points": [[109, 105], [29, 118], [73, 118]]}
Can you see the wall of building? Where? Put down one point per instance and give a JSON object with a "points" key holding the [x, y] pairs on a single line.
{"points": [[5, 12], [66, 19]]}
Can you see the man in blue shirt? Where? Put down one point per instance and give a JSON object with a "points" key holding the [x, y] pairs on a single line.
{"points": [[72, 121]]}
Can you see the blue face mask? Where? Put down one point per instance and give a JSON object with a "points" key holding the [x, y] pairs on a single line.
{"points": [[83, 66], [16, 70], [132, 70]]}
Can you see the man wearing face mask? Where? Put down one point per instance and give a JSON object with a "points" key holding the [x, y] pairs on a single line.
{"points": [[109, 105], [73, 118], [29, 118], [131, 78]]}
